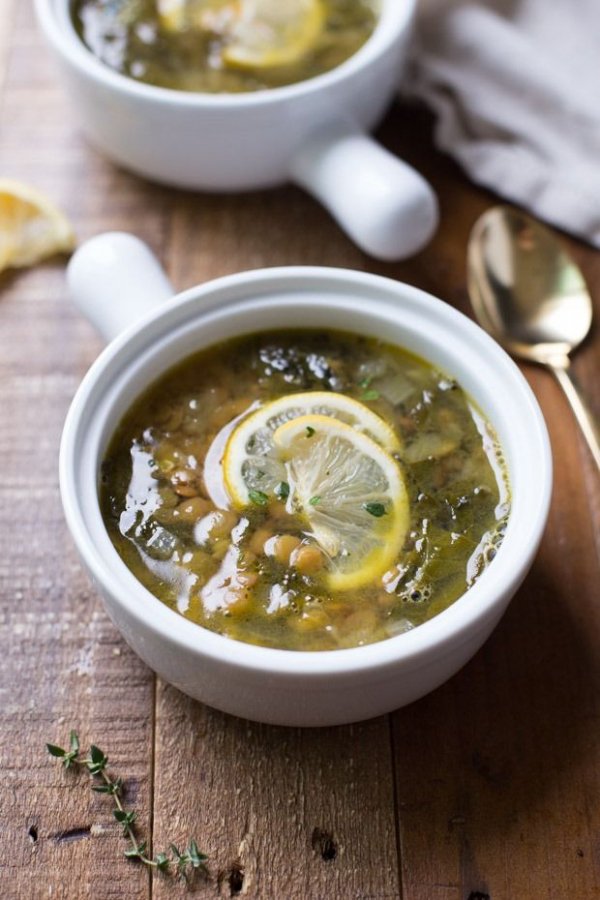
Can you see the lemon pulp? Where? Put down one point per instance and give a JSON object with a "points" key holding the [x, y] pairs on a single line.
{"points": [[351, 492]]}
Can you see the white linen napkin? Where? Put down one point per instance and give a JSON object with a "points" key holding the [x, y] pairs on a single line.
{"points": [[515, 85]]}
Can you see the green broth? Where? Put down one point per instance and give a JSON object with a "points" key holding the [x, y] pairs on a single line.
{"points": [[127, 36], [212, 565]]}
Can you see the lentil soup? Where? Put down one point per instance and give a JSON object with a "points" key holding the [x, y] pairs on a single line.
{"points": [[305, 490], [223, 46]]}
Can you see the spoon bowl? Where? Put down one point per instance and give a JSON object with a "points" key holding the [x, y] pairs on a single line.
{"points": [[529, 294]]}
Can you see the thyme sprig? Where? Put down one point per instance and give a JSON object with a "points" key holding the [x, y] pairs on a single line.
{"points": [[96, 762]]}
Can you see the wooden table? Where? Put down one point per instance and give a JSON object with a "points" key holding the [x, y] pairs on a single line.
{"points": [[488, 788]]}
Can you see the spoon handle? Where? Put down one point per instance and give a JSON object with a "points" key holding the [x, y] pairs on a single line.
{"points": [[588, 422]]}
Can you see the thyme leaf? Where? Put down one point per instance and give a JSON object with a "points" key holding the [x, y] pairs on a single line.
{"points": [[95, 763]]}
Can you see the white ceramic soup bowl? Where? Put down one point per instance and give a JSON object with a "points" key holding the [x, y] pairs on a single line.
{"points": [[114, 278], [312, 133]]}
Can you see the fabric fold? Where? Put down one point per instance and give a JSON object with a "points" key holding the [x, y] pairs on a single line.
{"points": [[515, 86]]}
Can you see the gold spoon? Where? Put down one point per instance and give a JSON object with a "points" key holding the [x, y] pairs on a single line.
{"points": [[531, 297]]}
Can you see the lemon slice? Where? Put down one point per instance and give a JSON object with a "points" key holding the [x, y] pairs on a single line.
{"points": [[271, 33], [31, 226], [172, 14], [197, 15], [351, 492], [251, 462]]}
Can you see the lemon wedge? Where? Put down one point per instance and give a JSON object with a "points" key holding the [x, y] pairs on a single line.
{"points": [[31, 226], [351, 492], [251, 462], [270, 33]]}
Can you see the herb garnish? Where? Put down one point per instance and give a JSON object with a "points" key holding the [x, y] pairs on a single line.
{"points": [[375, 509], [314, 501], [95, 763], [258, 497], [309, 431], [370, 395], [282, 490]]}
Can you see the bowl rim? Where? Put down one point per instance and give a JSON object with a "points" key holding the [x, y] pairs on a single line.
{"points": [[456, 623], [393, 20]]}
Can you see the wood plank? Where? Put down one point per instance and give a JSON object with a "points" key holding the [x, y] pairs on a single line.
{"points": [[63, 664], [212, 236], [282, 813]]}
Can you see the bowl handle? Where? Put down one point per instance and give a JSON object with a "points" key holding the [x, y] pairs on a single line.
{"points": [[383, 204], [114, 280]]}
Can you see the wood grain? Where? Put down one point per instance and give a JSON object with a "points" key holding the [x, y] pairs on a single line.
{"points": [[62, 664], [286, 812], [485, 789]]}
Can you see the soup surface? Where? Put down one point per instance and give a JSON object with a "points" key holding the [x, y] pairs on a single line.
{"points": [[305, 490], [223, 45]]}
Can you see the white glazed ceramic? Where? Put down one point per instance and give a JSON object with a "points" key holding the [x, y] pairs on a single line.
{"points": [[313, 133], [112, 278]]}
